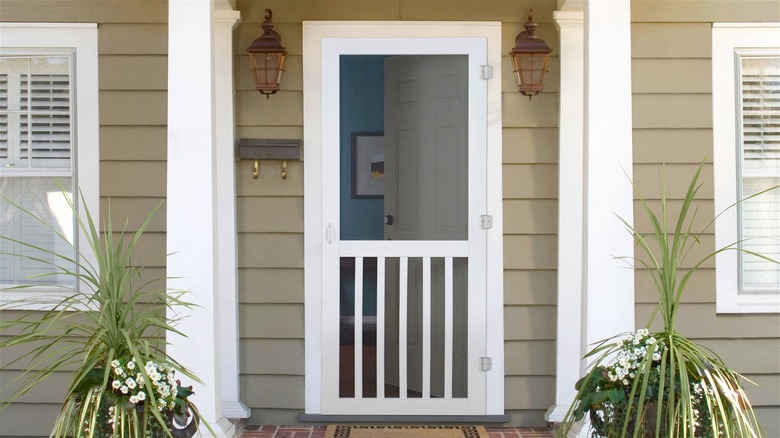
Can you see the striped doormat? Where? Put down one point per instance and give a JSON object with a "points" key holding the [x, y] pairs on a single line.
{"points": [[399, 431]]}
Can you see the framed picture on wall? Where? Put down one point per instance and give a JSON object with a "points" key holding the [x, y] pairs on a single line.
{"points": [[368, 165]]}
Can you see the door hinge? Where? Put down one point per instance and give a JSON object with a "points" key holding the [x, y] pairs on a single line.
{"points": [[487, 71], [485, 363], [486, 221]]}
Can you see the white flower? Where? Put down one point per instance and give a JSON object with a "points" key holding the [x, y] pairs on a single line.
{"points": [[141, 395], [124, 389], [116, 384], [130, 383], [651, 340], [115, 363], [131, 365], [134, 399]]}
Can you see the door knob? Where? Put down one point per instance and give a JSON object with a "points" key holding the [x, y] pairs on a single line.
{"points": [[389, 219]]}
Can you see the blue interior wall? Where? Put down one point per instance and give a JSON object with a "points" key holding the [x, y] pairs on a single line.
{"points": [[362, 104], [362, 110]]}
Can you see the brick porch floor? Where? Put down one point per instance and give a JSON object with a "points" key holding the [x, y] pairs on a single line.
{"points": [[268, 431]]}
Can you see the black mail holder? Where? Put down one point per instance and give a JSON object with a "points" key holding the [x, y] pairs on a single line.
{"points": [[269, 149]]}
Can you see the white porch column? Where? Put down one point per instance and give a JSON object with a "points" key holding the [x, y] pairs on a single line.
{"points": [[570, 229], [192, 204], [225, 21], [595, 291], [608, 293]]}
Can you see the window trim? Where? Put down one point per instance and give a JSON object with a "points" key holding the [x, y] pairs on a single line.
{"points": [[82, 40], [727, 38]]}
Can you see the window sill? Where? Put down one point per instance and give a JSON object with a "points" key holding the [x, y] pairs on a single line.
{"points": [[38, 298], [749, 303]]}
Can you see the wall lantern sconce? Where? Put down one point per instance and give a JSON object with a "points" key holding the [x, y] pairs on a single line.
{"points": [[530, 58], [266, 58]]}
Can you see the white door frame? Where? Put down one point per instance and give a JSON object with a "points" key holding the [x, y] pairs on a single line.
{"points": [[384, 37]]}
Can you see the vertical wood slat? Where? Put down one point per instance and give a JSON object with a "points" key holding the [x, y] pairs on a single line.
{"points": [[426, 328], [403, 284], [380, 327], [358, 327], [448, 327]]}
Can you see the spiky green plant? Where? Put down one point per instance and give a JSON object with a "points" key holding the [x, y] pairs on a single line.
{"points": [[669, 387], [107, 316]]}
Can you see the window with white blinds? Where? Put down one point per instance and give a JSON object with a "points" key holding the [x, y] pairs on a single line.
{"points": [[759, 115], [36, 122]]}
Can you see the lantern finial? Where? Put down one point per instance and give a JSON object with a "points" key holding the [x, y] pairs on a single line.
{"points": [[268, 25], [530, 25]]}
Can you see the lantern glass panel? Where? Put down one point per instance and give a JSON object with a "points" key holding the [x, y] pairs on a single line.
{"points": [[268, 69], [529, 69]]}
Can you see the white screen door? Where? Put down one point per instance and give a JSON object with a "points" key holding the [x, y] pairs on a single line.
{"points": [[404, 308]]}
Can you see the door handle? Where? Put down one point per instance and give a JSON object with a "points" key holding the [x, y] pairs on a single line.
{"points": [[330, 234], [389, 219]]}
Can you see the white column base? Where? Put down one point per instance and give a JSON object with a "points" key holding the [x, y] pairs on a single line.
{"points": [[222, 428], [556, 413], [580, 430], [235, 409]]}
